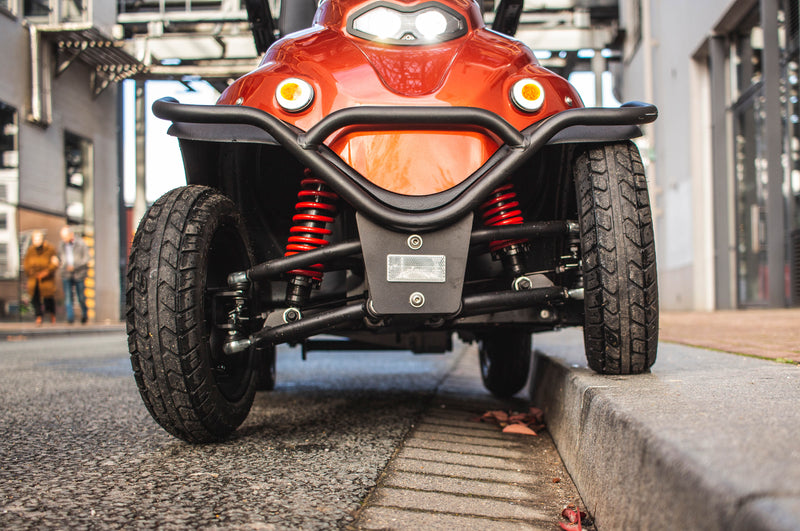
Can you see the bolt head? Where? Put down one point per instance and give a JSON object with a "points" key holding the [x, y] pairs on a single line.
{"points": [[416, 299], [291, 315], [414, 241], [522, 283]]}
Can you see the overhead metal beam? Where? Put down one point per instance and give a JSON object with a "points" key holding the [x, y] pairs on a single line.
{"points": [[183, 17]]}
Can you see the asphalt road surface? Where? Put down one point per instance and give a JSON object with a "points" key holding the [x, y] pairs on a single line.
{"points": [[79, 450]]}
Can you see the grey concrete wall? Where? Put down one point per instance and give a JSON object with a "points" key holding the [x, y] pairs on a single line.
{"points": [[678, 28], [14, 44], [104, 14], [75, 110]]}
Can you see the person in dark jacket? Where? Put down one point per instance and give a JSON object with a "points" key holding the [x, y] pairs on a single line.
{"points": [[73, 259], [40, 264]]}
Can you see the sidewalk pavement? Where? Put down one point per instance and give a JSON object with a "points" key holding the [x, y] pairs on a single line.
{"points": [[762, 333], [21, 330]]}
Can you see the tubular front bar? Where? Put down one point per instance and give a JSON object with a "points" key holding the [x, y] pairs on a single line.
{"points": [[309, 150]]}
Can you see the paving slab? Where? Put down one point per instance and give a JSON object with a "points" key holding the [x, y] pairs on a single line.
{"points": [[767, 333], [707, 440]]}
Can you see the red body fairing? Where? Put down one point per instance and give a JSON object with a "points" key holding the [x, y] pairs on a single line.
{"points": [[475, 70]]}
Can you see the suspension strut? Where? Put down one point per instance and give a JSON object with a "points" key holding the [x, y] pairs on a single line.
{"points": [[314, 210], [502, 208]]}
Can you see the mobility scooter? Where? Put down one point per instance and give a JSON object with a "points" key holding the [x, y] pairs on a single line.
{"points": [[393, 175]]}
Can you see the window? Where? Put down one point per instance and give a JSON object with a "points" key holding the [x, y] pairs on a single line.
{"points": [[3, 221], [78, 164], [8, 137], [72, 10], [36, 8]]}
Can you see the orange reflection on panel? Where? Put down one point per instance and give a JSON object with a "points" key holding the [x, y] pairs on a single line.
{"points": [[415, 162]]}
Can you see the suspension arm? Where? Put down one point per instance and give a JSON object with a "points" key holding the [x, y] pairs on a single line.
{"points": [[335, 251], [329, 320]]}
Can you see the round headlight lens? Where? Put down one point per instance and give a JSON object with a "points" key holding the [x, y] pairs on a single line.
{"points": [[528, 95], [431, 24], [294, 94], [382, 22]]}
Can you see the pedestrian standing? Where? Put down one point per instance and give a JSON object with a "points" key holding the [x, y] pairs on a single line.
{"points": [[40, 264], [73, 257]]}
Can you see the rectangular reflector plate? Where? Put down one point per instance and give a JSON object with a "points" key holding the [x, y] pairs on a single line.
{"points": [[416, 268]]}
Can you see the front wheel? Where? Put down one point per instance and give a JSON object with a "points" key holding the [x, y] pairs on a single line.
{"points": [[505, 360], [618, 259], [184, 249]]}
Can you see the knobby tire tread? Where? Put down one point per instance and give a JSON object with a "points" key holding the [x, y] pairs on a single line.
{"points": [[164, 335], [618, 249]]}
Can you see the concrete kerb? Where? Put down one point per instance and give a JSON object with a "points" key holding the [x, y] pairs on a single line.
{"points": [[707, 441]]}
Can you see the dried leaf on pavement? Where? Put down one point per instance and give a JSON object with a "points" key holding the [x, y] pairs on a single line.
{"points": [[514, 422], [575, 516], [519, 428]]}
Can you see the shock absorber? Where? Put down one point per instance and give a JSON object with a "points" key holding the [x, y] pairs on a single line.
{"points": [[502, 208], [314, 210]]}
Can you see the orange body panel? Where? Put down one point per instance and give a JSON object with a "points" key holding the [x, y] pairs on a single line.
{"points": [[415, 162], [475, 70]]}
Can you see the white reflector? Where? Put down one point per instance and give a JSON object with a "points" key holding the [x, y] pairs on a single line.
{"points": [[416, 268]]}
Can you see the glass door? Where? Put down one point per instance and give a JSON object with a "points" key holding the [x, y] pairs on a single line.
{"points": [[751, 195], [749, 117]]}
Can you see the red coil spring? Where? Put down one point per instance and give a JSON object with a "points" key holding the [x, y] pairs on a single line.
{"points": [[502, 209], [315, 208]]}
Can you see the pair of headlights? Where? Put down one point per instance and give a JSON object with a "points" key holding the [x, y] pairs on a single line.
{"points": [[295, 95], [395, 24]]}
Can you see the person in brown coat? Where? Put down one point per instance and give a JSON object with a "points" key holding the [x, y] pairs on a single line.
{"points": [[40, 264]]}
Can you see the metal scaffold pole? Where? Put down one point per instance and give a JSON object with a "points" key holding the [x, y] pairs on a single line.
{"points": [[140, 200]]}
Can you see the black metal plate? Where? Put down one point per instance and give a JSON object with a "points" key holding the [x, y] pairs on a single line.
{"points": [[394, 298]]}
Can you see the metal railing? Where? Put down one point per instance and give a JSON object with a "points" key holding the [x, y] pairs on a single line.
{"points": [[171, 6]]}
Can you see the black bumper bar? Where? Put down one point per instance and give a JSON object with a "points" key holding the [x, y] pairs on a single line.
{"points": [[309, 150]]}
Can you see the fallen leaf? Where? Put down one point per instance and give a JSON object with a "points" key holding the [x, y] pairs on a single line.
{"points": [[499, 416], [556, 480], [573, 515], [531, 421], [519, 428], [537, 414]]}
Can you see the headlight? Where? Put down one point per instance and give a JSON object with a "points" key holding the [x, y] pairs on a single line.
{"points": [[390, 23], [294, 94], [528, 95]]}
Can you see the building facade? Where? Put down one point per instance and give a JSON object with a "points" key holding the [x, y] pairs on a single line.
{"points": [[59, 140], [724, 155]]}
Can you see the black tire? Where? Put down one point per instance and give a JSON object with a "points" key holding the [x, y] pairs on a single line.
{"points": [[619, 259], [265, 379], [184, 248], [505, 360]]}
